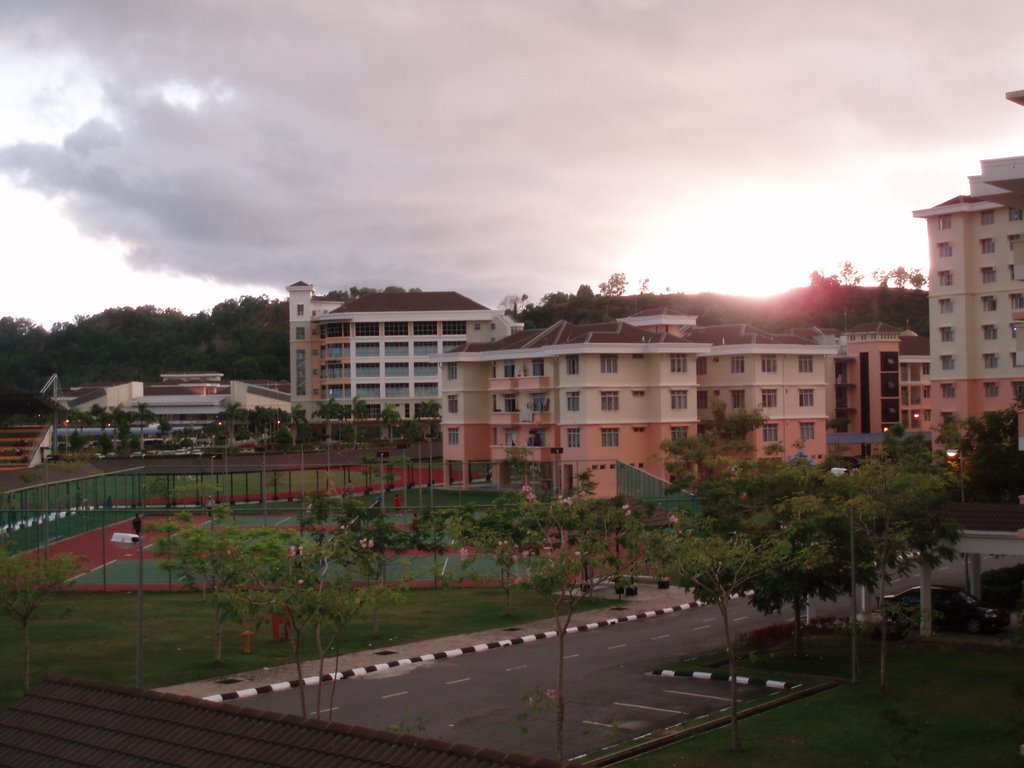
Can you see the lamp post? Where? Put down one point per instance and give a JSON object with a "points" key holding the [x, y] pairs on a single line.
{"points": [[381, 455], [954, 454], [129, 539]]}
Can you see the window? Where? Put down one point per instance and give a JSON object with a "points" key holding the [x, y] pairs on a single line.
{"points": [[572, 401], [424, 369], [1016, 214], [508, 369], [770, 433], [424, 328], [572, 365], [949, 390], [396, 348], [1018, 389], [991, 389], [945, 277], [990, 360], [677, 363], [945, 250], [539, 402], [988, 303], [609, 363], [738, 398], [610, 400], [805, 364], [537, 367], [453, 435], [453, 371], [609, 437], [806, 430], [424, 348], [769, 364], [702, 366], [702, 399], [300, 333], [572, 437], [736, 364], [424, 389], [990, 332], [396, 389], [394, 328], [678, 433], [453, 328], [926, 391], [331, 330], [367, 370], [396, 370], [946, 333], [945, 306], [367, 349], [988, 274], [988, 217], [679, 399], [510, 403], [926, 369], [300, 310], [948, 363], [988, 245], [448, 346], [945, 221], [367, 329], [806, 397], [453, 403], [769, 398], [1017, 301], [300, 371]]}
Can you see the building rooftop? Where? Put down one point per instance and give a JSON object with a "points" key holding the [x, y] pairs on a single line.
{"points": [[412, 301], [68, 722]]}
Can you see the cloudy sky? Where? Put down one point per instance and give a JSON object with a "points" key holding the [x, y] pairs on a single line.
{"points": [[182, 153]]}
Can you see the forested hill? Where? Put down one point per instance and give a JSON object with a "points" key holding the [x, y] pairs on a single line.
{"points": [[826, 306], [245, 338], [248, 338]]}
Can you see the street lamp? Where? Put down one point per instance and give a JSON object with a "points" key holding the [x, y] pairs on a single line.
{"points": [[953, 454], [127, 539]]}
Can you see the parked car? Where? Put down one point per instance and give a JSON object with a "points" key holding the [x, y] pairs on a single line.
{"points": [[952, 608]]}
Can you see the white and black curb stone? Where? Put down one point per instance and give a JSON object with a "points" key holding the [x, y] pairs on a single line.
{"points": [[248, 693], [776, 684]]}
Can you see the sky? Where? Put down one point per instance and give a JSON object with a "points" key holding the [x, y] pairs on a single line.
{"points": [[179, 154]]}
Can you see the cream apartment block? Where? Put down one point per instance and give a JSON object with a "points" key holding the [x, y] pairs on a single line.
{"points": [[573, 398], [382, 347], [976, 300]]}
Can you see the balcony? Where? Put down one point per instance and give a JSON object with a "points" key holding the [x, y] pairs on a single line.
{"points": [[502, 384], [505, 418]]}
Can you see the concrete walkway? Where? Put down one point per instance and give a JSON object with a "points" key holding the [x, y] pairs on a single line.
{"points": [[649, 599]]}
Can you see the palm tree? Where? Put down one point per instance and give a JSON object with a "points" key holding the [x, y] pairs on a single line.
{"points": [[430, 411], [145, 415], [390, 418], [360, 413], [232, 413]]}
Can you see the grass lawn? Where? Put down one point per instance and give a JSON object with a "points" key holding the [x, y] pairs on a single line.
{"points": [[949, 704], [93, 635]]}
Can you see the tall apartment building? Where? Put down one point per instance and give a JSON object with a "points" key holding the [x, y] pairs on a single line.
{"points": [[582, 397], [976, 300], [381, 347]]}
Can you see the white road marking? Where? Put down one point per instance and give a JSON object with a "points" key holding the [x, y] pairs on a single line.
{"points": [[571, 656], [741, 618], [613, 647], [455, 682], [652, 709], [697, 695], [700, 629], [392, 695], [513, 669], [660, 637], [602, 725]]}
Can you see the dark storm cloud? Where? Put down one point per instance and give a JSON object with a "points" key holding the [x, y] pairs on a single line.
{"points": [[398, 142]]}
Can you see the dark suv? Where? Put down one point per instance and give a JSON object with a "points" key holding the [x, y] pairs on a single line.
{"points": [[952, 609]]}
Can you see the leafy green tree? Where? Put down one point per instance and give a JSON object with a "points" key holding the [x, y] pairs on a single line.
{"points": [[614, 286], [571, 545], [144, 415], [894, 500], [232, 414], [993, 465], [218, 560], [719, 566], [390, 418], [27, 581]]}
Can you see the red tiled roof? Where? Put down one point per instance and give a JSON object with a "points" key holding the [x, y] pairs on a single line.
{"points": [[995, 518], [411, 301], [67, 722], [742, 333], [878, 327], [565, 333], [915, 345]]}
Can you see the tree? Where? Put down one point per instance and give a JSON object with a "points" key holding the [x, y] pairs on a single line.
{"points": [[992, 463], [572, 544], [232, 414], [512, 303], [27, 582], [614, 286], [718, 566], [145, 415], [893, 500], [218, 560], [390, 418]]}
